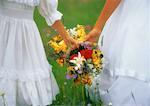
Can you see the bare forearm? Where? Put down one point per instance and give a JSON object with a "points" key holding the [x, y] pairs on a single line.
{"points": [[108, 9], [69, 41], [59, 27]]}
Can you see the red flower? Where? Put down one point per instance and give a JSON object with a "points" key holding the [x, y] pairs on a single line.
{"points": [[86, 53], [72, 56]]}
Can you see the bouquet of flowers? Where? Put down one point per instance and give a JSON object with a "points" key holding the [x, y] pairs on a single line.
{"points": [[84, 63], [59, 46]]}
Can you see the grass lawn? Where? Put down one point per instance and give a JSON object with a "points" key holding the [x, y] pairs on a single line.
{"points": [[75, 12]]}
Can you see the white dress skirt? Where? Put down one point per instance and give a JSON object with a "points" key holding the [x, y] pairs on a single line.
{"points": [[26, 77], [125, 41]]}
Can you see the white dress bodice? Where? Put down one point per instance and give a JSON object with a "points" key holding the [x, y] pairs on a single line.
{"points": [[47, 8]]}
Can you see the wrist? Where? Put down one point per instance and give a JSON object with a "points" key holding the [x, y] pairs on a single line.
{"points": [[96, 31], [93, 35], [67, 40]]}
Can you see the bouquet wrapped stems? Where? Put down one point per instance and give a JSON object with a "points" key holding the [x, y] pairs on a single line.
{"points": [[87, 96]]}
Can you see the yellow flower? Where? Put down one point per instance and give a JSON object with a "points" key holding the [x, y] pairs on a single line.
{"points": [[58, 44], [81, 33], [70, 68], [96, 53], [80, 27], [98, 66], [80, 36], [57, 38], [96, 59], [63, 46], [53, 44]]}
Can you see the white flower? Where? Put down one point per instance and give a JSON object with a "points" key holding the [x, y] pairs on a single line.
{"points": [[91, 66], [94, 70], [73, 32], [78, 61]]}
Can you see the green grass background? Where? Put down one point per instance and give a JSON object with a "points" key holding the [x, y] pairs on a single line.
{"points": [[74, 12]]}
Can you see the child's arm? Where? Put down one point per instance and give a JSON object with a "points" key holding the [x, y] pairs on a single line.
{"points": [[108, 9], [48, 9], [62, 31]]}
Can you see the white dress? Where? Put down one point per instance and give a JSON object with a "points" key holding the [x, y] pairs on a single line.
{"points": [[25, 74], [125, 41]]}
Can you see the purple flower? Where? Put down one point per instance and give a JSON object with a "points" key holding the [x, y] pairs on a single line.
{"points": [[79, 71], [89, 48], [68, 76], [75, 76], [84, 44]]}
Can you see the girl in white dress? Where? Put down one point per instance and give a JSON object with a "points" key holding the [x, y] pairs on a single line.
{"points": [[25, 75], [125, 41]]}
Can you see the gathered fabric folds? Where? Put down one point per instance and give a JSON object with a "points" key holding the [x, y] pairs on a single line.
{"points": [[26, 77]]}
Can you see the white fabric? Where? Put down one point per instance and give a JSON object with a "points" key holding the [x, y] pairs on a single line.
{"points": [[28, 2], [48, 9], [25, 74], [120, 91], [125, 41], [126, 91]]}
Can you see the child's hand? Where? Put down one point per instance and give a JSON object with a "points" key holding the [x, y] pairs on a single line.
{"points": [[72, 43], [93, 36], [69, 41]]}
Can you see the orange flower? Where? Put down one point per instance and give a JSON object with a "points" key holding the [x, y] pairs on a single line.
{"points": [[60, 61], [77, 80]]}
